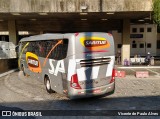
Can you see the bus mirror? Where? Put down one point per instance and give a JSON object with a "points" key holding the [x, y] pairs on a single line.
{"points": [[17, 48]]}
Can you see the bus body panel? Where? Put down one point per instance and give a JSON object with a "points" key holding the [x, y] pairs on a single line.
{"points": [[93, 66], [85, 71], [53, 69], [94, 44], [48, 69]]}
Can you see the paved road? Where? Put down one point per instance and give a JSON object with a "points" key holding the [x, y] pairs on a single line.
{"points": [[131, 94]]}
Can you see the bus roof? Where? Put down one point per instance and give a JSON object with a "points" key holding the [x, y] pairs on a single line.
{"points": [[43, 37], [49, 36]]}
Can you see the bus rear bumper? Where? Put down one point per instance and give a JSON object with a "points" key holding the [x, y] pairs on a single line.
{"points": [[83, 93]]}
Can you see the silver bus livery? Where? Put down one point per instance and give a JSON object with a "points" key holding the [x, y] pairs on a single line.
{"points": [[75, 64]]}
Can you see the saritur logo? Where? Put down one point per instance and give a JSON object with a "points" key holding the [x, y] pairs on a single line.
{"points": [[33, 62], [94, 43]]}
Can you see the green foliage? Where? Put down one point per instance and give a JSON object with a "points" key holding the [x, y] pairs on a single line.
{"points": [[156, 12]]}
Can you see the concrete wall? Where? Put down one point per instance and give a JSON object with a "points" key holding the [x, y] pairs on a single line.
{"points": [[8, 64], [127, 5], [3, 26], [3, 65], [117, 40], [25, 6]]}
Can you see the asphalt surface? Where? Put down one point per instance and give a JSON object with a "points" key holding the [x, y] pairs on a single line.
{"points": [[26, 93]]}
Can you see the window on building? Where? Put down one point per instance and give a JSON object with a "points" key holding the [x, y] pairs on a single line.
{"points": [[148, 45], [149, 29], [119, 45], [158, 44], [134, 42], [119, 31], [4, 38], [141, 30], [141, 45], [134, 30], [134, 45]]}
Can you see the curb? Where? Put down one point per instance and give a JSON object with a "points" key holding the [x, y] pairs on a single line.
{"points": [[134, 77], [8, 72], [136, 67]]}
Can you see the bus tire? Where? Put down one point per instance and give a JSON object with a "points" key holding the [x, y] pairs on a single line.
{"points": [[48, 85]]}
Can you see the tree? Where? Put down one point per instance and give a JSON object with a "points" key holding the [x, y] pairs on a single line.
{"points": [[156, 12]]}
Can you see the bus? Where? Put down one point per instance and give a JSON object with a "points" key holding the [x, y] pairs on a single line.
{"points": [[74, 64]]}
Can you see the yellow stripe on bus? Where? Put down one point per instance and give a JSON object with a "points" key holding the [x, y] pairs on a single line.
{"points": [[21, 53]]}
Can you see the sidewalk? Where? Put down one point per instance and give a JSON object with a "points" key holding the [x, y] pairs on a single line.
{"points": [[134, 77], [136, 66], [8, 72], [130, 71]]}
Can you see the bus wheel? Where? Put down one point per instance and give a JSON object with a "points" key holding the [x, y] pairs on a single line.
{"points": [[23, 71], [48, 85]]}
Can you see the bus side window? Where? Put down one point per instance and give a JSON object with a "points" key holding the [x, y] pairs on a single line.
{"points": [[40, 50], [65, 48], [29, 47], [54, 52], [32, 47], [60, 52]]}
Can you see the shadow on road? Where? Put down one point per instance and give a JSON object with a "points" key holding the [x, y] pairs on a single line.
{"points": [[93, 106]]}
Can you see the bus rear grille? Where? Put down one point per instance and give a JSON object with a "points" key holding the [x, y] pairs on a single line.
{"points": [[94, 62]]}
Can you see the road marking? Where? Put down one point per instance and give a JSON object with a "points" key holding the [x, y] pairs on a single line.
{"points": [[157, 74], [133, 70]]}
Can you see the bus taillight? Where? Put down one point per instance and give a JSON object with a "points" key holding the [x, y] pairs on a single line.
{"points": [[113, 76], [74, 82]]}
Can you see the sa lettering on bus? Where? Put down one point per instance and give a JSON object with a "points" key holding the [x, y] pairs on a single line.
{"points": [[56, 67]]}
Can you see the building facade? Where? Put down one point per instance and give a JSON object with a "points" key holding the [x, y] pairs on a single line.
{"points": [[19, 18], [143, 39]]}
